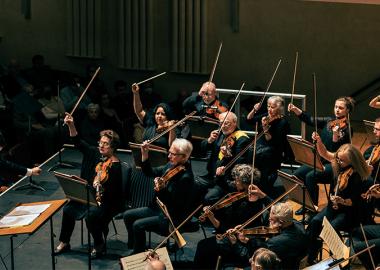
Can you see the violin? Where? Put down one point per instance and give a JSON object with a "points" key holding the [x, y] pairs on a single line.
{"points": [[163, 180], [341, 123], [101, 177], [261, 231], [342, 183], [369, 193], [226, 201], [216, 109], [375, 155], [165, 126]]}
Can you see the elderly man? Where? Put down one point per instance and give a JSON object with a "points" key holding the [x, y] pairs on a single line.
{"points": [[223, 148], [206, 103], [172, 184]]}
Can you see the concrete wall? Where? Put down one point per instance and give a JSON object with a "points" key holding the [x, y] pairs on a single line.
{"points": [[339, 42]]}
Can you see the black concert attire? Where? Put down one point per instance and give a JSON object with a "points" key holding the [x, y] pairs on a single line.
{"points": [[342, 219], [270, 153], [306, 173], [142, 192], [290, 246], [175, 195], [210, 248], [112, 200], [372, 233], [6, 165], [217, 186]]}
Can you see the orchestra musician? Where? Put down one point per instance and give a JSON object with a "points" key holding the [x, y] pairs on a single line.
{"points": [[290, 244], [334, 133], [105, 181], [154, 123], [223, 148], [231, 215], [206, 102], [350, 170], [272, 146], [173, 191], [264, 259]]}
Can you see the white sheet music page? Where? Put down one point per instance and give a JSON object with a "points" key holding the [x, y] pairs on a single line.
{"points": [[29, 209], [138, 262]]}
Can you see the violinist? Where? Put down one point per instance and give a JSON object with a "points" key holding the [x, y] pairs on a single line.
{"points": [[153, 123], [289, 245], [334, 133], [206, 102], [350, 170], [272, 146], [106, 182], [228, 217], [172, 184], [375, 102], [223, 148]]}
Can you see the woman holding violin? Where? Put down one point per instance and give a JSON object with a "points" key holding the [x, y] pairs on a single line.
{"points": [[106, 183], [173, 184], [227, 213], [154, 122], [350, 170], [272, 145], [289, 242], [334, 133]]}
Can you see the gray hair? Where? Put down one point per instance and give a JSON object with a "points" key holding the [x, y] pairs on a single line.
{"points": [[283, 211], [93, 106], [184, 146], [279, 101], [230, 114], [243, 172]]}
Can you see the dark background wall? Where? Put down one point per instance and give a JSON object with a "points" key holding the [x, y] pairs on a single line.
{"points": [[339, 42]]}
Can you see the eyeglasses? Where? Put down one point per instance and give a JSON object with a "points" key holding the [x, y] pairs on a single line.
{"points": [[376, 129], [105, 144], [176, 154]]}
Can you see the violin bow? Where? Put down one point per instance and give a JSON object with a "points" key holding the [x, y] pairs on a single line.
{"points": [[349, 127], [254, 154], [172, 127], [215, 63], [294, 78], [369, 251], [151, 78], [245, 224], [315, 101], [232, 106], [270, 83], [338, 262], [178, 227], [85, 90]]}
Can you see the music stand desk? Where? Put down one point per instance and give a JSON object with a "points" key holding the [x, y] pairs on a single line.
{"points": [[46, 215]]}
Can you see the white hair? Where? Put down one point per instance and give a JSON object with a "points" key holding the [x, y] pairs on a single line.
{"points": [[184, 146], [283, 211]]}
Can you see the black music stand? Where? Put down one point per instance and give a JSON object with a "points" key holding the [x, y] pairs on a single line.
{"points": [[300, 195], [78, 189], [31, 184], [158, 156], [201, 126]]}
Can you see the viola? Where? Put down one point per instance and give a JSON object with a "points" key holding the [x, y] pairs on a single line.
{"points": [[216, 109], [163, 180], [261, 231], [226, 201], [102, 173]]}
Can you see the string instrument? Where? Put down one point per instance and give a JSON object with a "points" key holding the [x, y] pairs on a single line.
{"points": [[269, 83], [375, 155], [163, 180], [245, 149], [102, 173], [342, 183], [341, 124], [261, 231], [245, 224], [373, 189], [226, 201], [166, 125], [216, 109]]}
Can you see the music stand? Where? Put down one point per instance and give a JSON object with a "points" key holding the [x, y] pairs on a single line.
{"points": [[305, 153], [31, 184], [300, 195], [201, 126], [77, 189], [158, 156]]}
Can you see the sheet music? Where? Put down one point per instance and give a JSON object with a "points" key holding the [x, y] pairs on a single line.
{"points": [[29, 209], [333, 241], [138, 262], [17, 221]]}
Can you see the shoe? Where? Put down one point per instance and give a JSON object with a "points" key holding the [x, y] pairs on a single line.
{"points": [[62, 248], [98, 252], [300, 211]]}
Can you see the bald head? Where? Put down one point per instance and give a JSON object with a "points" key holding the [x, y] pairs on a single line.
{"points": [[155, 265]]}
